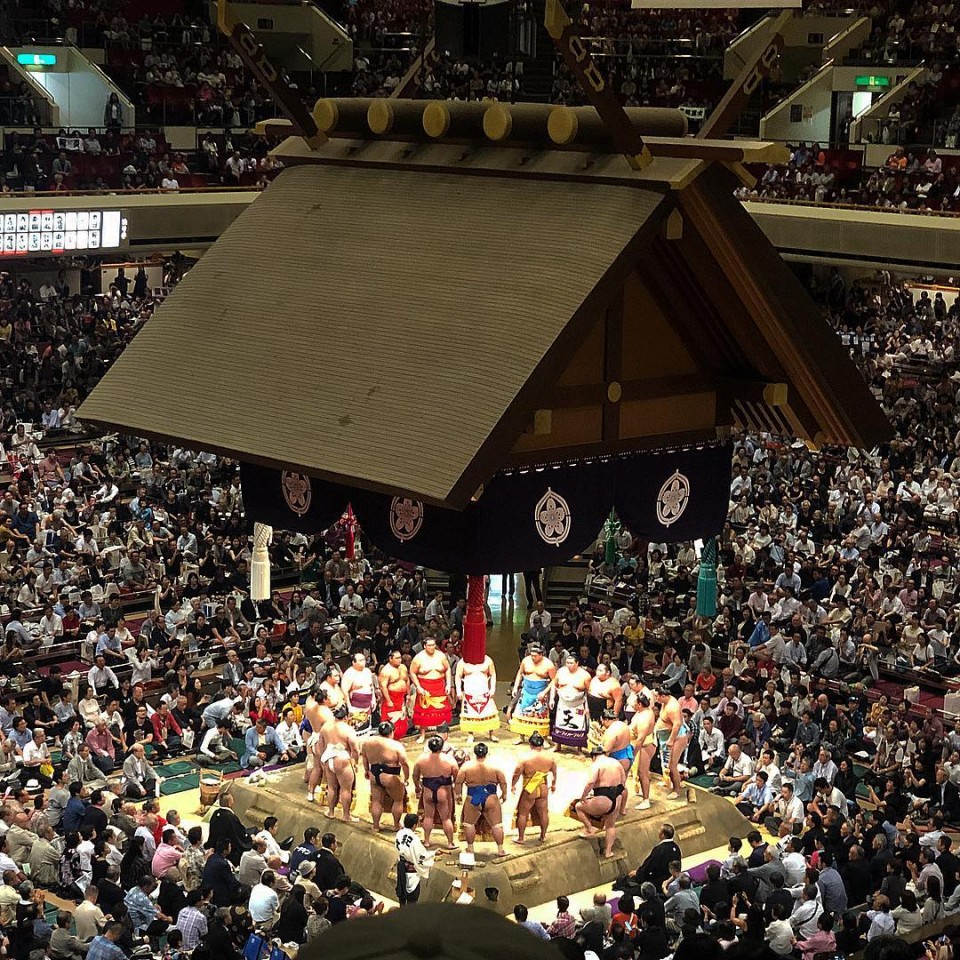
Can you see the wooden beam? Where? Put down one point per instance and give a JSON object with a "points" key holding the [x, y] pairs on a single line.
{"points": [[750, 77], [410, 82], [612, 366], [581, 64], [722, 151], [248, 48], [657, 388], [822, 377]]}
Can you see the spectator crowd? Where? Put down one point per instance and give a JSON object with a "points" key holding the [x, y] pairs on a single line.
{"points": [[131, 642]]}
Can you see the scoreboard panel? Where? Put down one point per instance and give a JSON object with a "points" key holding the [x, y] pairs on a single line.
{"points": [[61, 231]]}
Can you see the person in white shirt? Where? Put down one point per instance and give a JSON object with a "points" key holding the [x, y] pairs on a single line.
{"points": [[806, 912], [351, 605], [768, 763], [86, 543], [51, 627], [268, 836], [264, 902], [107, 492], [779, 934], [711, 744], [786, 809], [908, 487], [758, 600], [86, 851], [253, 863], [100, 677], [145, 831], [794, 862], [415, 861], [35, 753], [289, 733], [825, 767], [46, 584], [235, 165], [436, 610], [737, 770], [213, 747], [881, 920], [827, 796], [142, 662], [543, 613]]}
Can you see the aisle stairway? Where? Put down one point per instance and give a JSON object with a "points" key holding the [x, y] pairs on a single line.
{"points": [[563, 581]]}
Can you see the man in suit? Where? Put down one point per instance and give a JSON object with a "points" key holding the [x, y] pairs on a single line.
{"points": [[110, 893], [656, 868], [758, 849], [140, 779], [232, 672], [631, 660], [945, 798], [949, 864], [226, 825], [329, 868], [856, 877], [95, 816], [765, 873], [218, 875]]}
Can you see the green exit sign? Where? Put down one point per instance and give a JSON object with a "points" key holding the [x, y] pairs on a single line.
{"points": [[872, 81], [37, 59]]}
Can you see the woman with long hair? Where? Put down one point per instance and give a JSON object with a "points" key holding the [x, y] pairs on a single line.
{"points": [[292, 925], [70, 867], [134, 866], [933, 905]]}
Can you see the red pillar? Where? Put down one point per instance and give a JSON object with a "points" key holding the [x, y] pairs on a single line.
{"points": [[475, 622]]}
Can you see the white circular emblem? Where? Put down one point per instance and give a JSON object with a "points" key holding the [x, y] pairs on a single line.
{"points": [[406, 518], [552, 518], [673, 498], [296, 491]]}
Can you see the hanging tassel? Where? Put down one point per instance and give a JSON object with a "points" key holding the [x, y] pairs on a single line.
{"points": [[260, 564]]}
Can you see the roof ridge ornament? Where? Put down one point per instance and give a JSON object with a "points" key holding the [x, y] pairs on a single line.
{"points": [[250, 51], [582, 65]]}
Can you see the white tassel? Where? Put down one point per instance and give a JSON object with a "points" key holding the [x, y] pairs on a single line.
{"points": [[260, 564]]}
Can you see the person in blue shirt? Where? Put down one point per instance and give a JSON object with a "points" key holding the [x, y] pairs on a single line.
{"points": [[761, 632], [106, 946], [521, 914], [146, 917], [109, 647], [21, 734], [75, 810], [262, 745], [308, 850], [755, 797], [8, 715], [25, 521], [803, 781]]}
